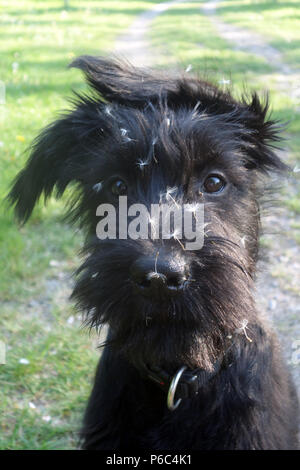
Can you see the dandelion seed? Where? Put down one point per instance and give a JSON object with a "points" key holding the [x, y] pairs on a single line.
{"points": [[169, 196], [243, 329], [46, 418], [152, 275], [93, 276], [296, 169], [98, 186], [15, 67], [189, 68], [107, 110], [223, 81], [192, 208], [54, 263], [124, 133], [24, 361], [142, 163], [169, 192], [31, 405], [70, 320], [177, 239]]}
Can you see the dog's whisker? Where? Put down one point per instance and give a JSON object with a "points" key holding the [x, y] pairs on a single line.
{"points": [[155, 262], [154, 141], [242, 329]]}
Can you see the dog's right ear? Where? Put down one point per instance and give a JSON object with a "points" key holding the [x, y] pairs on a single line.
{"points": [[59, 156], [46, 168]]}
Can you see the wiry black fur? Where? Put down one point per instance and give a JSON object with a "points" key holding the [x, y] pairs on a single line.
{"points": [[184, 128]]}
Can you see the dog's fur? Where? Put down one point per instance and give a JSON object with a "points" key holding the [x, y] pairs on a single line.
{"points": [[183, 129]]}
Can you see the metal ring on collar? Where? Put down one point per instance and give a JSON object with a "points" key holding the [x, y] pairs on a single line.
{"points": [[172, 390]]}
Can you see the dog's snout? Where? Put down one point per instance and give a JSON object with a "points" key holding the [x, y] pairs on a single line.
{"points": [[158, 278]]}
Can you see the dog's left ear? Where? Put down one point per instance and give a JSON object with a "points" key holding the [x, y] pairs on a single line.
{"points": [[117, 80], [261, 135]]}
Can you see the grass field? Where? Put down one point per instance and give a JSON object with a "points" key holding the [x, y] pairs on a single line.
{"points": [[50, 360]]}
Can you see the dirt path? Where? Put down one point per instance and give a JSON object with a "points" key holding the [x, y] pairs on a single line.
{"points": [[133, 45], [288, 77]]}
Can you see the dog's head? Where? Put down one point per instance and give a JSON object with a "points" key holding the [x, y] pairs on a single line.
{"points": [[156, 138]]}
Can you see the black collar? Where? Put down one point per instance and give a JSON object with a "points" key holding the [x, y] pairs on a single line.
{"points": [[185, 383]]}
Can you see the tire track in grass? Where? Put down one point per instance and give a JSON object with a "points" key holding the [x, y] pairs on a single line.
{"points": [[288, 77], [134, 45]]}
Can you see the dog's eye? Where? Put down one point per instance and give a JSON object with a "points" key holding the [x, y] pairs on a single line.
{"points": [[119, 188], [214, 184]]}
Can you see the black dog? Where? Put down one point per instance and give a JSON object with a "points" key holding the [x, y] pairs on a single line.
{"points": [[189, 363]]}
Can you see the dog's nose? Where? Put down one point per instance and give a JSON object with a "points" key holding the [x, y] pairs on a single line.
{"points": [[158, 278]]}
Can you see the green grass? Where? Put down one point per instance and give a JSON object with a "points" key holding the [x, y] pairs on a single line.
{"points": [[37, 41], [276, 20]]}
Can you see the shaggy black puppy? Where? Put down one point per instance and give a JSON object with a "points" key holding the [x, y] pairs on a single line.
{"points": [[189, 362]]}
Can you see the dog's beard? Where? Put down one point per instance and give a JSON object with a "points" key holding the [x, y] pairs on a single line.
{"points": [[191, 329]]}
